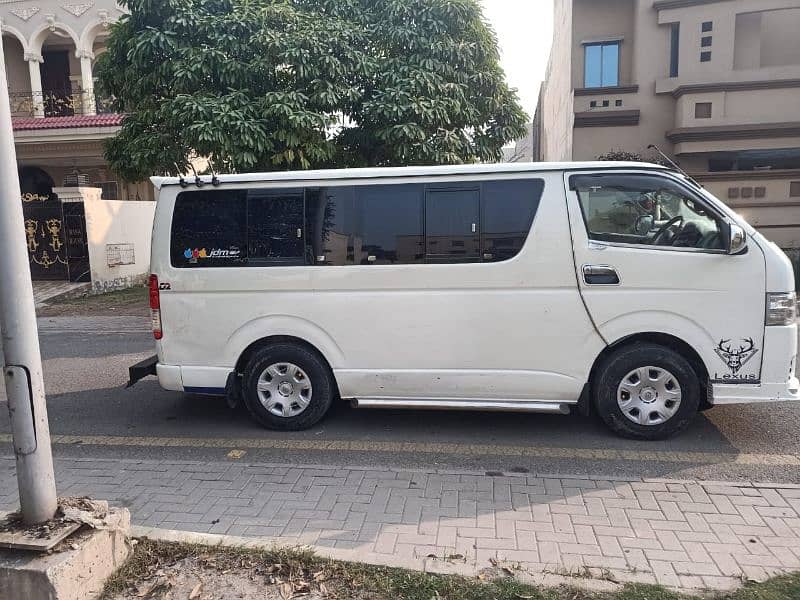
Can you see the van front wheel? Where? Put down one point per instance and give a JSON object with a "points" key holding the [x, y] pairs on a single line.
{"points": [[647, 392], [287, 387]]}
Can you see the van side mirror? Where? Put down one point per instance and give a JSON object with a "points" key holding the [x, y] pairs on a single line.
{"points": [[737, 239]]}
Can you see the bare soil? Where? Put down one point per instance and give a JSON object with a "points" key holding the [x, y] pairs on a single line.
{"points": [[131, 302], [168, 571]]}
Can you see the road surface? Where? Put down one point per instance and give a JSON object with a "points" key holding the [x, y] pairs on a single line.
{"points": [[93, 416]]}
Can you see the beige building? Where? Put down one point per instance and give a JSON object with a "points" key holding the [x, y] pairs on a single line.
{"points": [[714, 83], [80, 225], [60, 121]]}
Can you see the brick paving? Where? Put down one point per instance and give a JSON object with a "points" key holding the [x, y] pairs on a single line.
{"points": [[685, 534]]}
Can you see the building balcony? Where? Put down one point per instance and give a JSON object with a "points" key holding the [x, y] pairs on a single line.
{"points": [[66, 102]]}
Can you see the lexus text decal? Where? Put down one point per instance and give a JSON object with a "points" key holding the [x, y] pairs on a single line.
{"points": [[736, 359], [192, 255]]}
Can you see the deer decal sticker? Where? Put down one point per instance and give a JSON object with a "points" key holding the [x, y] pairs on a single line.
{"points": [[736, 358]]}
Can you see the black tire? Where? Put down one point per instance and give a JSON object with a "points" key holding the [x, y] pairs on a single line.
{"points": [[319, 375], [628, 358]]}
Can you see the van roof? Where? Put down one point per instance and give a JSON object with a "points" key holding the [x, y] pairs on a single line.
{"points": [[382, 172]]}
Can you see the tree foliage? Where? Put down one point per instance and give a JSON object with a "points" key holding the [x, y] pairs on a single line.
{"points": [[282, 84], [625, 156]]}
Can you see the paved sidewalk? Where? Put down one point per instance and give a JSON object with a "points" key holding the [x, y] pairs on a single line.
{"points": [[691, 535], [44, 291]]}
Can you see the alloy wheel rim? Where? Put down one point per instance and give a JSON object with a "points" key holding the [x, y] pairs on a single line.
{"points": [[649, 396], [284, 390]]}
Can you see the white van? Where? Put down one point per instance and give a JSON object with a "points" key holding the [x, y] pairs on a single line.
{"points": [[622, 288]]}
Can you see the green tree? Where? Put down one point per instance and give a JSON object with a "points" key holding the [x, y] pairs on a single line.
{"points": [[282, 84]]}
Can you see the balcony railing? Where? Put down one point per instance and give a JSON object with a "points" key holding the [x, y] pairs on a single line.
{"points": [[67, 102]]}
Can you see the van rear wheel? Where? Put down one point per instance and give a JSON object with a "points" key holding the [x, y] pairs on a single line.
{"points": [[287, 387], [647, 392]]}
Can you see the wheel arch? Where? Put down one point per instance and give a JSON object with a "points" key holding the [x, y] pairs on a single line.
{"points": [[663, 339], [271, 340]]}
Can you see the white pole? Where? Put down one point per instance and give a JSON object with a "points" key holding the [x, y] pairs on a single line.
{"points": [[23, 361]]}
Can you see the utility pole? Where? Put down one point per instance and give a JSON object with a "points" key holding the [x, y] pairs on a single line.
{"points": [[20, 337]]}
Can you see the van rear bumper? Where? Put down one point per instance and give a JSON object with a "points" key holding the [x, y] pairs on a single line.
{"points": [[765, 392], [193, 380], [169, 377]]}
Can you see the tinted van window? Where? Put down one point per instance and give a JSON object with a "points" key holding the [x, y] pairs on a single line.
{"points": [[331, 225], [508, 208], [275, 227], [355, 225], [389, 227], [209, 229], [451, 224]]}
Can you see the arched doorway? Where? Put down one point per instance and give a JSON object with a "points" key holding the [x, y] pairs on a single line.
{"points": [[35, 181]]}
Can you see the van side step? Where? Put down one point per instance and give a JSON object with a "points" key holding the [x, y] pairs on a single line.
{"points": [[525, 406]]}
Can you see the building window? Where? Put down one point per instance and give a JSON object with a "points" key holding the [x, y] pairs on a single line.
{"points": [[733, 193], [674, 49], [760, 192], [602, 65], [702, 110], [618, 103], [794, 189], [707, 26], [705, 41], [705, 57], [110, 189]]}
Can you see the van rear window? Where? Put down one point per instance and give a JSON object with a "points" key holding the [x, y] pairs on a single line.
{"points": [[482, 221]]}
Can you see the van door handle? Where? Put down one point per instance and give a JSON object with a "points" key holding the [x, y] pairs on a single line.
{"points": [[600, 275]]}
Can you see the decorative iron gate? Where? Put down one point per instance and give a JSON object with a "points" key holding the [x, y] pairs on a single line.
{"points": [[55, 233]]}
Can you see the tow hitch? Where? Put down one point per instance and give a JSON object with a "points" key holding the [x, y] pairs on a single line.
{"points": [[142, 369]]}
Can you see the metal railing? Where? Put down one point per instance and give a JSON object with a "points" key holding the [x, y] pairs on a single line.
{"points": [[62, 102]]}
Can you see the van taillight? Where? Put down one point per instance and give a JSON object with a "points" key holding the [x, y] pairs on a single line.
{"points": [[155, 307]]}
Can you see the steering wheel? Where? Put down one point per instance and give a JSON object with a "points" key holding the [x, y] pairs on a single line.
{"points": [[665, 228]]}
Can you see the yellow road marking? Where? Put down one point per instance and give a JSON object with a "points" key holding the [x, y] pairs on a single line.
{"points": [[609, 454]]}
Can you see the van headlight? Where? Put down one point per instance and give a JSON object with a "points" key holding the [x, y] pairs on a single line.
{"points": [[781, 308]]}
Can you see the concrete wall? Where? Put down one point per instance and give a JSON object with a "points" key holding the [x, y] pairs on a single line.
{"points": [[773, 213], [556, 104], [117, 222], [740, 107], [602, 21]]}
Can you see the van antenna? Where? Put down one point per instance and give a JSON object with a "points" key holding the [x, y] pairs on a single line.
{"points": [[673, 164], [214, 179], [183, 183], [197, 181]]}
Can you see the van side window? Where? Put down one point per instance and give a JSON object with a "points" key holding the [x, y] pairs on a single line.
{"points": [[452, 217], [389, 227], [507, 211], [388, 224], [331, 225], [645, 210], [275, 227], [209, 229]]}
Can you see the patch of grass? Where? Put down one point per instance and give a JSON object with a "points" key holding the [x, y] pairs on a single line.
{"points": [[779, 588], [361, 581]]}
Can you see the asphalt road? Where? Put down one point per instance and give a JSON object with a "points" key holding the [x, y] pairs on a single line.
{"points": [[92, 415]]}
